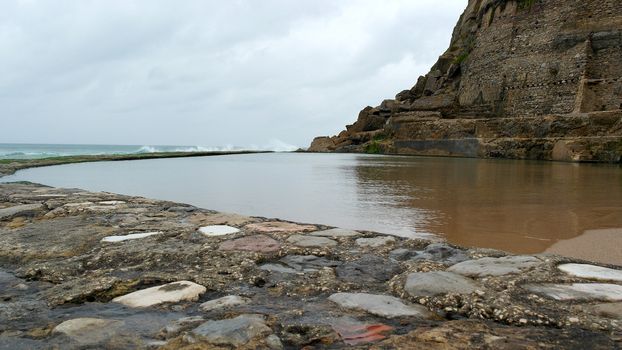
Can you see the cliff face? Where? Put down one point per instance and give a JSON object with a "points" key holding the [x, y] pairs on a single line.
{"points": [[529, 79]]}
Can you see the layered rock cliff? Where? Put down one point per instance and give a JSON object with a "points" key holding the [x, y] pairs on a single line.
{"points": [[527, 79]]}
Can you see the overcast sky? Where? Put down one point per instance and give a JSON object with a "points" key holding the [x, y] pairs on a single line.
{"points": [[209, 73]]}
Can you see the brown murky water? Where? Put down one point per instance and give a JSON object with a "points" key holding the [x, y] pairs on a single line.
{"points": [[518, 206]]}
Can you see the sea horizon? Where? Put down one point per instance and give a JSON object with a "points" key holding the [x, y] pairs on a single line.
{"points": [[45, 150]]}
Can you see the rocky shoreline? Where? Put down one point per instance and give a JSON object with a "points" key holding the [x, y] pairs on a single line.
{"points": [[10, 166], [101, 270]]}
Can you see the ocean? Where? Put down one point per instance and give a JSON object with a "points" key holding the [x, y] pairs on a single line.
{"points": [[36, 151]]}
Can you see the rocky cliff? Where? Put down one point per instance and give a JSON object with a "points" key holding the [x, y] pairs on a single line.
{"points": [[527, 79]]}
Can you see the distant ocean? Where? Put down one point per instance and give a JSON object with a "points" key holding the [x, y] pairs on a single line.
{"points": [[34, 151]]}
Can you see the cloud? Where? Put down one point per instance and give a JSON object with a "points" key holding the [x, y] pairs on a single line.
{"points": [[208, 73]]}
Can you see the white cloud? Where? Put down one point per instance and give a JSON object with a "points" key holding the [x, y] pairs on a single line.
{"points": [[208, 73]]}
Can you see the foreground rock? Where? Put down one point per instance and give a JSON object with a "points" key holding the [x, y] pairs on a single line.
{"points": [[236, 331], [89, 331], [438, 282], [495, 266], [168, 293], [224, 302], [381, 305], [592, 272], [62, 287], [580, 291]]}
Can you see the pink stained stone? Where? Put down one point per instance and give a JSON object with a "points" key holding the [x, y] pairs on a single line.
{"points": [[279, 226]]}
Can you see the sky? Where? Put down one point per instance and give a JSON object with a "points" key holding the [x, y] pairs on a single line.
{"points": [[247, 73]]}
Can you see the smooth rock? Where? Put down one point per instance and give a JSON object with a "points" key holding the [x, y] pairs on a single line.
{"points": [[609, 310], [336, 233], [592, 272], [578, 291], [257, 243], [438, 282], [14, 210], [402, 254], [218, 230], [375, 242], [226, 301], [380, 305], [300, 264], [235, 331], [369, 268], [174, 328], [441, 252], [281, 268], [311, 241], [279, 226], [494, 266], [205, 219], [89, 331], [113, 239], [168, 293]]}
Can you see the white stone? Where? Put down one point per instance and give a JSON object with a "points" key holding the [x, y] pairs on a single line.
{"points": [[111, 202], [218, 230], [592, 272], [168, 293], [579, 291], [375, 242], [89, 331], [378, 304], [113, 239], [335, 232], [227, 301]]}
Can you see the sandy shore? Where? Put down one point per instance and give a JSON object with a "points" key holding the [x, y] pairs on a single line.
{"points": [[604, 246]]}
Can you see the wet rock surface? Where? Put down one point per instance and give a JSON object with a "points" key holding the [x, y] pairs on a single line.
{"points": [[438, 282], [495, 266], [253, 289]]}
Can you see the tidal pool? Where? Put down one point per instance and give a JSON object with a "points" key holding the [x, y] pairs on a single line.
{"points": [[517, 206]]}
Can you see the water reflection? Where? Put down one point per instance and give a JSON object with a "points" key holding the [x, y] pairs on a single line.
{"points": [[511, 205]]}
